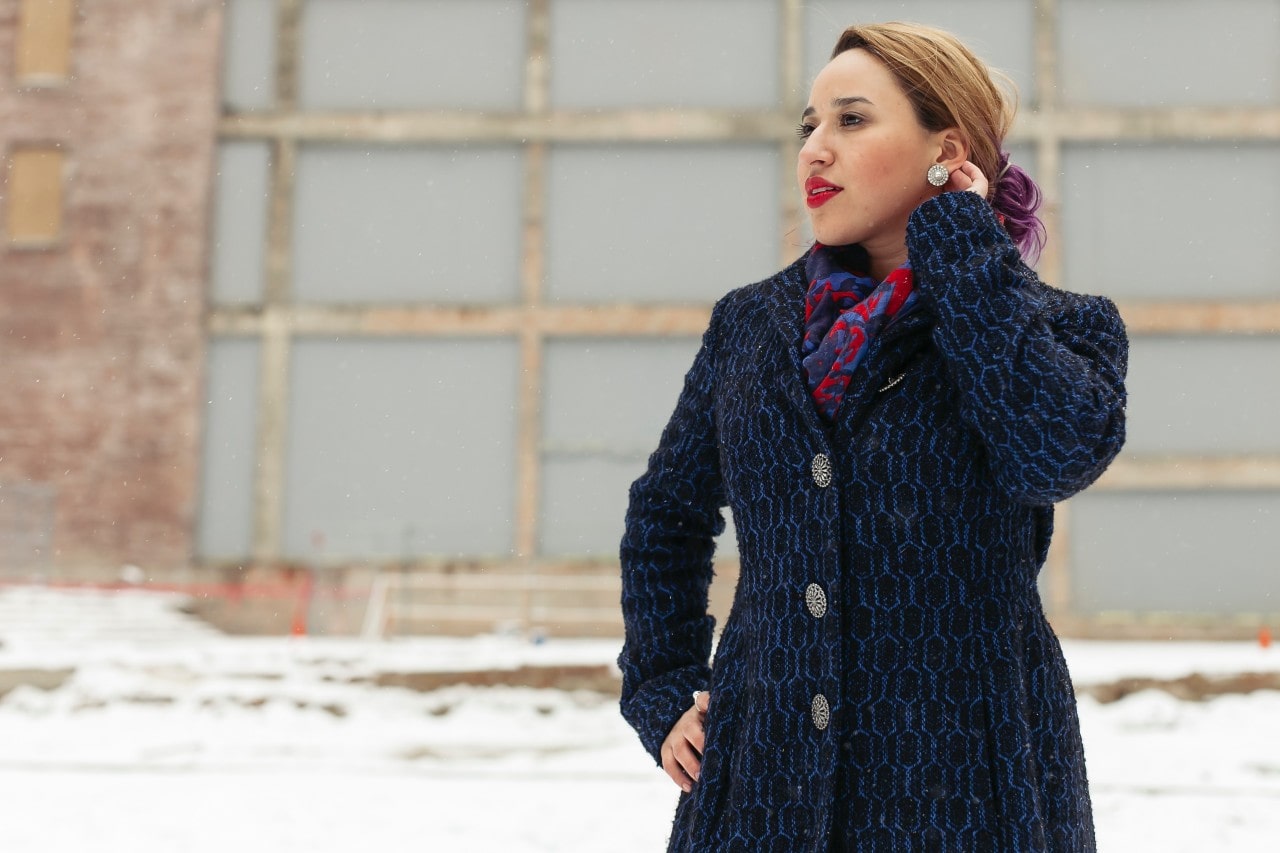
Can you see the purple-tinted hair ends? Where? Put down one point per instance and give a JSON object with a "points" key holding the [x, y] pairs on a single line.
{"points": [[1018, 198]]}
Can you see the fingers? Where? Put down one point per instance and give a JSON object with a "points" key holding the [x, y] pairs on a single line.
{"points": [[682, 750], [695, 732], [696, 736], [682, 764], [968, 177]]}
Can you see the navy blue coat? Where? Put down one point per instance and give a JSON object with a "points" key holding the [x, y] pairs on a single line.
{"points": [[886, 679]]}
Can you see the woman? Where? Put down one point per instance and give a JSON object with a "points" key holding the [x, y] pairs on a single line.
{"points": [[891, 419]]}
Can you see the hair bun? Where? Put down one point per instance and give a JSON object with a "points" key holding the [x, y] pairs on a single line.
{"points": [[1017, 198]]}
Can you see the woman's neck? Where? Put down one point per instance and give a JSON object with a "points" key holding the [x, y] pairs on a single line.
{"points": [[885, 261]]}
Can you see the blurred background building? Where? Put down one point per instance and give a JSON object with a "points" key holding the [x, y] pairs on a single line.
{"points": [[388, 300]]}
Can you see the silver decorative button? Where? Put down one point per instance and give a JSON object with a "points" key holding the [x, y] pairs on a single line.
{"points": [[820, 711], [816, 600], [821, 470]]}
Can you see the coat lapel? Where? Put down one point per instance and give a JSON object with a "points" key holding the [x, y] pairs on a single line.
{"points": [[784, 296]]}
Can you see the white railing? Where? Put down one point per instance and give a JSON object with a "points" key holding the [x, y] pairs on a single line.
{"points": [[523, 601]]}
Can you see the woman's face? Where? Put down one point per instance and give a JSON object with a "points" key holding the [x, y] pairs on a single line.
{"points": [[863, 164]]}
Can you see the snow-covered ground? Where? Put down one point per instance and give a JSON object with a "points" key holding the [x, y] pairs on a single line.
{"points": [[166, 736]]}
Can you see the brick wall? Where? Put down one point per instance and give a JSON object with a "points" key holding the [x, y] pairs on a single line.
{"points": [[101, 336]]}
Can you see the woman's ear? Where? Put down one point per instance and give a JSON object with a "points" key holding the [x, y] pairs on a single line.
{"points": [[954, 148]]}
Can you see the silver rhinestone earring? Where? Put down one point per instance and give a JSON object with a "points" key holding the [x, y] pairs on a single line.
{"points": [[938, 175]]}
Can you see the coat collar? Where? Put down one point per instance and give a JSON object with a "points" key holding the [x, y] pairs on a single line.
{"points": [[784, 295]]}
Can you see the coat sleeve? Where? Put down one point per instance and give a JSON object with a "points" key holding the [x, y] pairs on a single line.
{"points": [[1039, 372], [672, 520]]}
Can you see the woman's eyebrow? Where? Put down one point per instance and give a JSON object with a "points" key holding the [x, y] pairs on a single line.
{"points": [[839, 103]]}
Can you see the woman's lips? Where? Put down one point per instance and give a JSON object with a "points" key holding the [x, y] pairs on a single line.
{"points": [[818, 191]]}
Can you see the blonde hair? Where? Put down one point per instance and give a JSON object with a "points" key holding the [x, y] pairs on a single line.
{"points": [[948, 86]]}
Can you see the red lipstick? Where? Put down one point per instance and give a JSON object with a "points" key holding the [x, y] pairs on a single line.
{"points": [[819, 191]]}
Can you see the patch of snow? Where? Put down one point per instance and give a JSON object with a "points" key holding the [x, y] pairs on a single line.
{"points": [[170, 736]]}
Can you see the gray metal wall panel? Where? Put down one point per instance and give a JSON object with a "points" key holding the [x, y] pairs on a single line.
{"points": [[605, 405], [401, 448], [1166, 221], [669, 223], [1198, 552], [225, 526], [249, 55], [393, 54], [1138, 53], [719, 54], [1204, 395], [412, 224], [240, 221]]}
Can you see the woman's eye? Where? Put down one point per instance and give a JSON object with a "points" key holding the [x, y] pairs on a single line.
{"points": [[805, 130]]}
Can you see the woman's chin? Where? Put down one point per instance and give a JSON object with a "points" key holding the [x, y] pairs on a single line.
{"points": [[831, 231], [834, 237]]}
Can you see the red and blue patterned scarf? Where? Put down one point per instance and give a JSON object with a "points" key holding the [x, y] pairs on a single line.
{"points": [[843, 311]]}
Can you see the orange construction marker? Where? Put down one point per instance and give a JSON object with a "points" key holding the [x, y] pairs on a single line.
{"points": [[1264, 637]]}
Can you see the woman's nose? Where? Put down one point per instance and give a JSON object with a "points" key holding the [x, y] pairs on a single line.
{"points": [[814, 149]]}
